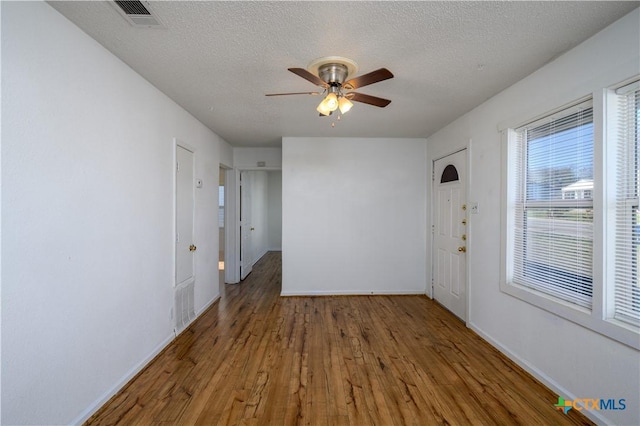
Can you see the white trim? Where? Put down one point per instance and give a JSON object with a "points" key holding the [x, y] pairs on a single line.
{"points": [[204, 308], [593, 319], [229, 230], [431, 227], [260, 256], [537, 373], [449, 154], [557, 113], [469, 235], [351, 293], [232, 226], [98, 403]]}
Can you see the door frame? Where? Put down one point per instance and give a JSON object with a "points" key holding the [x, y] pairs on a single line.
{"points": [[229, 209], [179, 143], [245, 187], [431, 228]]}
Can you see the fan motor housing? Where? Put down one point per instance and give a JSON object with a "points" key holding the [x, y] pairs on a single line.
{"points": [[334, 74]]}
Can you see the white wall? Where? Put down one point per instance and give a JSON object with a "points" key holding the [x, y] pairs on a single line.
{"points": [[87, 215], [248, 158], [274, 210], [353, 215], [571, 359]]}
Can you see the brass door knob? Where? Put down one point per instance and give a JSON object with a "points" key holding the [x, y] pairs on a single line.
{"points": [[192, 248], [462, 249]]}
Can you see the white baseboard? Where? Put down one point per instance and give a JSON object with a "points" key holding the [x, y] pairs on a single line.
{"points": [[538, 374], [353, 293], [259, 257], [95, 406], [205, 307], [84, 416]]}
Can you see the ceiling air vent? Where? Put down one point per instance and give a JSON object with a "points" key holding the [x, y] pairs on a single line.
{"points": [[138, 13]]}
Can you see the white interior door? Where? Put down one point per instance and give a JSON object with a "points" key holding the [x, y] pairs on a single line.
{"points": [[450, 233], [246, 228], [185, 247]]}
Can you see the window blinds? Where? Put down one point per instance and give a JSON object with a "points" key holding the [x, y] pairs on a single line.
{"points": [[627, 223], [553, 238]]}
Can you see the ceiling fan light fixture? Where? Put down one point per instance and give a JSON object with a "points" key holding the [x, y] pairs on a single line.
{"points": [[328, 104], [323, 108], [331, 101], [344, 104]]}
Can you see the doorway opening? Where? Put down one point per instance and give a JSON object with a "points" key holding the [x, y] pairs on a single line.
{"points": [[260, 216]]}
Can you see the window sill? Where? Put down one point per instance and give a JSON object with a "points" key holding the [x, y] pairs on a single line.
{"points": [[613, 329]]}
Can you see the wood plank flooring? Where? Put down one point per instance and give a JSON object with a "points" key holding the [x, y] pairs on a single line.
{"points": [[255, 358]]}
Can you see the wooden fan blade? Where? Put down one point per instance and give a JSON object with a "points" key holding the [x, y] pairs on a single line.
{"points": [[365, 80], [292, 93], [301, 72], [368, 99]]}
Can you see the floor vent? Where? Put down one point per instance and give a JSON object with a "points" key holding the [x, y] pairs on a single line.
{"points": [[185, 312], [138, 13]]}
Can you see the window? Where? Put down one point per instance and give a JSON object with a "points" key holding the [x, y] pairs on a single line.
{"points": [[627, 214], [571, 216], [552, 240], [449, 174]]}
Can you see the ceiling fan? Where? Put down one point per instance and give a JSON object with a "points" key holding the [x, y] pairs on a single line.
{"points": [[331, 74]]}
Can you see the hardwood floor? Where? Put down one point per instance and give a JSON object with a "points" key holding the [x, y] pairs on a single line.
{"points": [[257, 358]]}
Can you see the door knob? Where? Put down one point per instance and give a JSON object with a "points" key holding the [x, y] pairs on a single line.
{"points": [[192, 247], [462, 249]]}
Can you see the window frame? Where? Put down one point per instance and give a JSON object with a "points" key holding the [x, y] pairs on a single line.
{"points": [[612, 99], [599, 318]]}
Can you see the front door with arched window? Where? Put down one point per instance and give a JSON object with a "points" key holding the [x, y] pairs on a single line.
{"points": [[450, 233]]}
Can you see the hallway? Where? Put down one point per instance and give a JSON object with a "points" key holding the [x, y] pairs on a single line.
{"points": [[257, 358]]}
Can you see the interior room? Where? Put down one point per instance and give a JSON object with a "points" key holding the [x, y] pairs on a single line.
{"points": [[417, 167]]}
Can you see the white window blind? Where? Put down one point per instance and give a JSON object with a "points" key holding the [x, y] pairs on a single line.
{"points": [[627, 220], [553, 235]]}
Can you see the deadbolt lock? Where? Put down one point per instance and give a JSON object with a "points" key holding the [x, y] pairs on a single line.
{"points": [[192, 248], [462, 249]]}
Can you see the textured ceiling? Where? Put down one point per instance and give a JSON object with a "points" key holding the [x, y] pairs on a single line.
{"points": [[219, 59]]}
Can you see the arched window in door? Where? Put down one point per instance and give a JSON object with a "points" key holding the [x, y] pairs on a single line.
{"points": [[449, 174]]}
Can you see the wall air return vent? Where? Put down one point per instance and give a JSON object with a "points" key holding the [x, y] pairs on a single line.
{"points": [[138, 13]]}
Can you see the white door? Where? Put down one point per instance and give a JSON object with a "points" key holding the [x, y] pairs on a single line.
{"points": [[185, 247], [246, 247], [450, 233]]}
